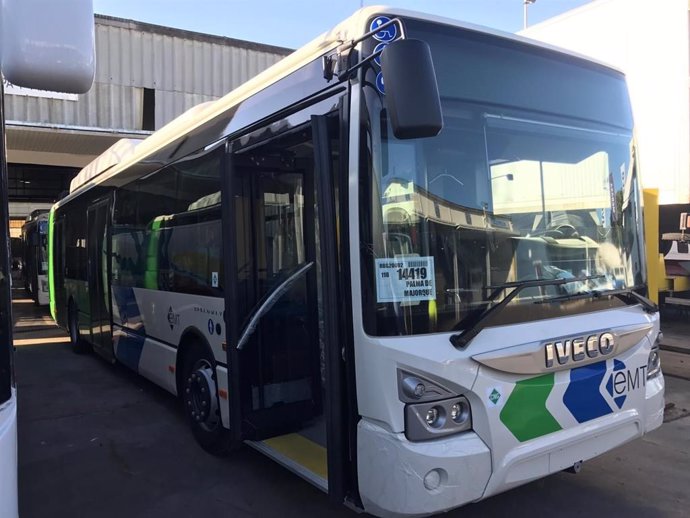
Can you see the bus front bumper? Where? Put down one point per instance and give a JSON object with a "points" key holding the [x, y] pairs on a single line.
{"points": [[399, 478], [402, 478]]}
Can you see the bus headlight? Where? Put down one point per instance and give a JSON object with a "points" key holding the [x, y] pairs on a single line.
{"points": [[424, 421], [434, 417], [460, 412], [654, 361]]}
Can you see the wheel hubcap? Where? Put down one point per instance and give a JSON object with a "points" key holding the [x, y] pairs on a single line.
{"points": [[200, 396]]}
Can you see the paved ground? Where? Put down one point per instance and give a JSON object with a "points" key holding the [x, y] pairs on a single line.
{"points": [[97, 441]]}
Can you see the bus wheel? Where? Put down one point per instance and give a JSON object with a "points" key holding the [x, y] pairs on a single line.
{"points": [[200, 400], [79, 345]]}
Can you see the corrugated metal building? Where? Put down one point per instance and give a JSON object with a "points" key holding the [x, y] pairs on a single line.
{"points": [[146, 75]]}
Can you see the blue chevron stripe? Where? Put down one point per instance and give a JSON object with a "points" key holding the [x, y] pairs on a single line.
{"points": [[130, 338], [129, 348], [582, 397]]}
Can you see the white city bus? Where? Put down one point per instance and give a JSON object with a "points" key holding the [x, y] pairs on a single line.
{"points": [[35, 263], [46, 46], [406, 262]]}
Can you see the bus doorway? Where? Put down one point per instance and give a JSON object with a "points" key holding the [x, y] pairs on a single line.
{"points": [[99, 298], [281, 384]]}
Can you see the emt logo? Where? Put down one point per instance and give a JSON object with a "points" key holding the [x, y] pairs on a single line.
{"points": [[623, 380]]}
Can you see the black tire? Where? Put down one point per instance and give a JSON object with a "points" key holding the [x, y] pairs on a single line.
{"points": [[200, 400], [79, 345]]}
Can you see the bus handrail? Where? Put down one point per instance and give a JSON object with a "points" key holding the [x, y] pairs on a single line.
{"points": [[269, 303]]}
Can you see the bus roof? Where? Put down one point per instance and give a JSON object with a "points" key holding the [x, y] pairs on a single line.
{"points": [[109, 158], [348, 30]]}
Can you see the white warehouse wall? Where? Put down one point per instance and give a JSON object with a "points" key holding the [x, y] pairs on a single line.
{"points": [[648, 40]]}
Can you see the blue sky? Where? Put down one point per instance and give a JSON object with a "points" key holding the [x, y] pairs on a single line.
{"points": [[292, 23]]}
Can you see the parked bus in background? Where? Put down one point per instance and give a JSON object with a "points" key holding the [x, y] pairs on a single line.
{"points": [[35, 254], [47, 46], [406, 262]]}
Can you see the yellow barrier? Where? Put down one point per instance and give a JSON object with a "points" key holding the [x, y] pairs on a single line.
{"points": [[675, 284], [655, 273]]}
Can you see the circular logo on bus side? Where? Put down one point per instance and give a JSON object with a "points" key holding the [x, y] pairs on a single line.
{"points": [[379, 48], [386, 34], [379, 83]]}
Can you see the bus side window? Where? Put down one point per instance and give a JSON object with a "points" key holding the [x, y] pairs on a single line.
{"points": [[75, 243], [194, 242], [127, 239], [166, 231]]}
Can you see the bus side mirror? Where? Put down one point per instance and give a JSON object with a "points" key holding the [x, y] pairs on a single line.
{"points": [[412, 99], [48, 45]]}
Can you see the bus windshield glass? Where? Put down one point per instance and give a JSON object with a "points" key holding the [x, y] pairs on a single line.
{"points": [[530, 179]]}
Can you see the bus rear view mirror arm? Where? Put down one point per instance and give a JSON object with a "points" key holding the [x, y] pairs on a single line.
{"points": [[412, 98]]}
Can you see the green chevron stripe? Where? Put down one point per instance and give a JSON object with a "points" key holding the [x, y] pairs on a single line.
{"points": [[525, 413]]}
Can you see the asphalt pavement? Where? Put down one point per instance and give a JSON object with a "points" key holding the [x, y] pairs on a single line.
{"points": [[96, 440]]}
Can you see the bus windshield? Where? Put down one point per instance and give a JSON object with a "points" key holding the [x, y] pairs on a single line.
{"points": [[516, 187]]}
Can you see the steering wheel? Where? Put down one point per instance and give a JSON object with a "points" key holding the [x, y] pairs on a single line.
{"points": [[567, 230], [560, 231]]}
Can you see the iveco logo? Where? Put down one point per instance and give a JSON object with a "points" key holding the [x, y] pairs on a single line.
{"points": [[578, 349]]}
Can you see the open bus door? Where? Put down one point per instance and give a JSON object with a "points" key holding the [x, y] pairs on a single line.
{"points": [[285, 367]]}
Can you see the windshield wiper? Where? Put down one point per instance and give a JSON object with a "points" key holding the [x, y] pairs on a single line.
{"points": [[627, 295], [476, 322], [570, 296], [631, 297]]}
